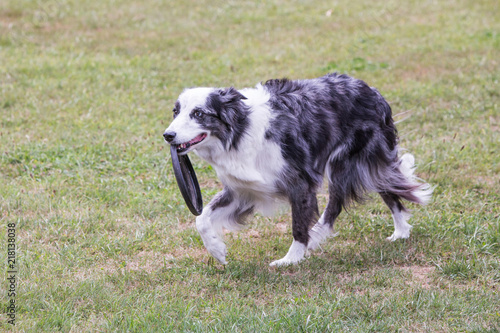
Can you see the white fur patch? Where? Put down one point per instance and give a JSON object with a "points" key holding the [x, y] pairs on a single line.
{"points": [[407, 168], [211, 236], [401, 227], [295, 254], [319, 232]]}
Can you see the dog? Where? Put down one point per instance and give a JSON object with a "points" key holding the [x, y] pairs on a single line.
{"points": [[277, 141]]}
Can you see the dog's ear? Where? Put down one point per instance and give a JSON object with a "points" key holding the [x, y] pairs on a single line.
{"points": [[230, 94]]}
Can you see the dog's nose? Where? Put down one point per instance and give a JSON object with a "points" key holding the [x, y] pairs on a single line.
{"points": [[169, 136]]}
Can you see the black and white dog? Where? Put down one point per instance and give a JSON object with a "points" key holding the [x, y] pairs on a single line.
{"points": [[277, 141]]}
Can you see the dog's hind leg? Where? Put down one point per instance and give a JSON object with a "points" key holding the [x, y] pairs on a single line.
{"points": [[224, 211], [403, 185], [304, 212], [400, 216]]}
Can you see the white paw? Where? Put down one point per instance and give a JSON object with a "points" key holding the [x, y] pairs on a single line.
{"points": [[295, 254], [398, 235], [320, 232], [316, 238], [313, 245], [218, 250], [284, 262], [212, 241]]}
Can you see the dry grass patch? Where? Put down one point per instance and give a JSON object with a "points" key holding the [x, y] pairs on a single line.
{"points": [[421, 276]]}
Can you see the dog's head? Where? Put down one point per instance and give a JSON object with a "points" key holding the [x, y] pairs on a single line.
{"points": [[202, 115]]}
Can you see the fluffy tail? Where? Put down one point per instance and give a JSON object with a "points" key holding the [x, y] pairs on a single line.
{"points": [[420, 193]]}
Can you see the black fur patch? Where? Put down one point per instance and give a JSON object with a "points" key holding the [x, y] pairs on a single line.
{"points": [[222, 199], [227, 118], [361, 140]]}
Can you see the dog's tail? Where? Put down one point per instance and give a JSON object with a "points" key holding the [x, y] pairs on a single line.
{"points": [[414, 191]]}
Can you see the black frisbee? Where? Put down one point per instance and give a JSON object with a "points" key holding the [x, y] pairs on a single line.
{"points": [[187, 181]]}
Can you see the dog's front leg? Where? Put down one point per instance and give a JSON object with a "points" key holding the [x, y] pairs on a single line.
{"points": [[211, 238], [304, 211]]}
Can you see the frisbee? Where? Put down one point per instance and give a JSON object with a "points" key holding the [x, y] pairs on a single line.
{"points": [[187, 181]]}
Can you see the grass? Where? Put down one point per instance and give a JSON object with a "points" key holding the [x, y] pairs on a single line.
{"points": [[105, 241]]}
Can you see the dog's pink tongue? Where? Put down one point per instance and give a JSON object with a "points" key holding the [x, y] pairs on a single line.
{"points": [[198, 138]]}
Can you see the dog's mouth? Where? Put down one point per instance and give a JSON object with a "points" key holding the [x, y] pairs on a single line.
{"points": [[183, 147]]}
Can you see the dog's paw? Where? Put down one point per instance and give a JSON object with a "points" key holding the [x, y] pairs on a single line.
{"points": [[317, 238], [284, 262], [398, 235], [222, 261], [218, 250], [219, 254], [295, 254]]}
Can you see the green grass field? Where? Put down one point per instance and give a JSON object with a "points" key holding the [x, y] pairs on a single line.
{"points": [[105, 242]]}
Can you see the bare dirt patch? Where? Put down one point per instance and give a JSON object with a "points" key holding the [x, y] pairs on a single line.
{"points": [[253, 233], [421, 275], [200, 254], [282, 227]]}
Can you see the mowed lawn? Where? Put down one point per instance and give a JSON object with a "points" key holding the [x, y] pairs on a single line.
{"points": [[105, 242]]}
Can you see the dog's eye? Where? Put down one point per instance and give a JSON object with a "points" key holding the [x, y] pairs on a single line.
{"points": [[175, 111], [198, 113]]}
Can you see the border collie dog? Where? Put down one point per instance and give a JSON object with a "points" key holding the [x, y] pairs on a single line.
{"points": [[277, 141]]}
